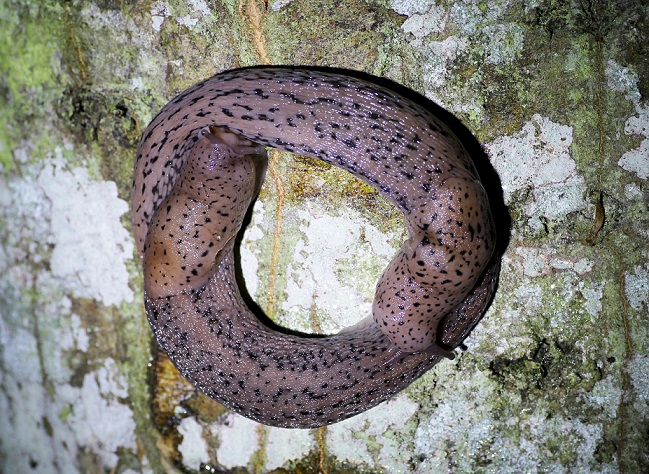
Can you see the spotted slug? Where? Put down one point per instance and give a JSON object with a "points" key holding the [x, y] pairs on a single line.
{"points": [[200, 165]]}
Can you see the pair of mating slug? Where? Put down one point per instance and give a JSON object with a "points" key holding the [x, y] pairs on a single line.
{"points": [[200, 165]]}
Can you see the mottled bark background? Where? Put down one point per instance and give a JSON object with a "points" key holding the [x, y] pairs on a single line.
{"points": [[554, 379]]}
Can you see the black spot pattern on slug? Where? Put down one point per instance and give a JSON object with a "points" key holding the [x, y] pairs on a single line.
{"points": [[189, 199]]}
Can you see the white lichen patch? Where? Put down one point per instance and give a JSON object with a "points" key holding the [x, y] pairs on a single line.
{"points": [[421, 25], [582, 266], [76, 336], [534, 261], [26, 446], [63, 238], [98, 419], [636, 288], [198, 9], [624, 80], [633, 192], [550, 294], [538, 158], [90, 245], [23, 207], [500, 330], [329, 250], [47, 420], [19, 353], [193, 447], [639, 372], [373, 436], [500, 335], [238, 441], [45, 427], [637, 161], [285, 445], [550, 444], [539, 261], [277, 5], [160, 10], [464, 430], [461, 426], [63, 339], [188, 14], [505, 42], [592, 298], [412, 7], [439, 55], [249, 251], [605, 395]]}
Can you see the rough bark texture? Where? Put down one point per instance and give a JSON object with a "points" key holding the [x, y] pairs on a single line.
{"points": [[555, 377]]}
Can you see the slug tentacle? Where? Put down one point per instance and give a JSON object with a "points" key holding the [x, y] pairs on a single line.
{"points": [[199, 166]]}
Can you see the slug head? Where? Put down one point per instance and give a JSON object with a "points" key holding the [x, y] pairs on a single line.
{"points": [[451, 240], [203, 212]]}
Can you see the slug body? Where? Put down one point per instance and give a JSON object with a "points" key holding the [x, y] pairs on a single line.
{"points": [[199, 166]]}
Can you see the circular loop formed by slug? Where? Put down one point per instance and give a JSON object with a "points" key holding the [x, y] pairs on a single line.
{"points": [[199, 166]]}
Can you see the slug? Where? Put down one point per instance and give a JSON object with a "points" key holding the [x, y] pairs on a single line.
{"points": [[200, 165]]}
